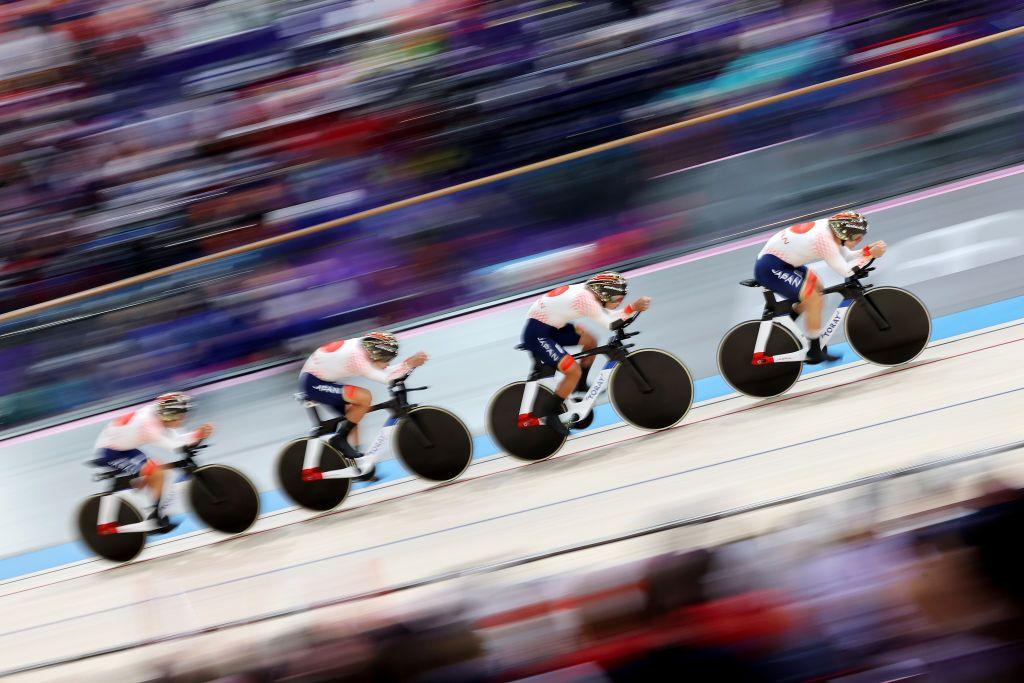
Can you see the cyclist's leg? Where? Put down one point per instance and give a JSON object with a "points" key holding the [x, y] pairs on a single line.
{"points": [[588, 341], [359, 401], [335, 396], [792, 283], [542, 341], [143, 472], [811, 303], [547, 344]]}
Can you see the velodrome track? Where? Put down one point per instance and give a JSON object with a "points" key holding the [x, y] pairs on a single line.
{"points": [[956, 246], [839, 424]]}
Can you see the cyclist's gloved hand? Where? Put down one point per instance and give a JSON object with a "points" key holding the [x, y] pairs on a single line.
{"points": [[641, 304], [417, 359]]}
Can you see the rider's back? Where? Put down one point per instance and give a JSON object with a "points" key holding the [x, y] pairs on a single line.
{"points": [[131, 430], [567, 303], [804, 243]]}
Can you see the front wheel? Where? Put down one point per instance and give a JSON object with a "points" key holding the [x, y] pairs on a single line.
{"points": [[433, 444], [224, 498], [651, 389], [525, 443], [908, 334]]}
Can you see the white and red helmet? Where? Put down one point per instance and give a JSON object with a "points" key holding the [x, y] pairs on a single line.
{"points": [[848, 225], [380, 346], [607, 286], [173, 405]]}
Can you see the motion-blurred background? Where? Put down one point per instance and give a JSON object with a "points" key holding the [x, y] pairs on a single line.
{"points": [[135, 136]]}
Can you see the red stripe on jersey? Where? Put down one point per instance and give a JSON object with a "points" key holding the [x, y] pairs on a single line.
{"points": [[332, 347], [124, 419]]}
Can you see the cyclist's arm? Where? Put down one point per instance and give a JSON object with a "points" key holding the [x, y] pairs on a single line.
{"points": [[857, 258], [388, 374], [602, 316], [171, 440]]}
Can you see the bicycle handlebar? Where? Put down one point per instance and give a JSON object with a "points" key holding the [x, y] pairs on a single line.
{"points": [[862, 271], [397, 385], [623, 323]]}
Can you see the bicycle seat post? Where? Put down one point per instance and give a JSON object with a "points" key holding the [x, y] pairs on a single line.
{"points": [[313, 413]]}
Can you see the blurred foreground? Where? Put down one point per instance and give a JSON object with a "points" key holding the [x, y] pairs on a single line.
{"points": [[935, 596]]}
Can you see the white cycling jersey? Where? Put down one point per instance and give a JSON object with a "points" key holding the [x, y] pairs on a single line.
{"points": [[140, 428], [804, 243], [346, 358], [567, 303]]}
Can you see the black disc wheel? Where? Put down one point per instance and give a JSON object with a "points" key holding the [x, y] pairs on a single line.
{"points": [[320, 495], [736, 352], [525, 443], [433, 444], [906, 316], [117, 547], [224, 498], [651, 389]]}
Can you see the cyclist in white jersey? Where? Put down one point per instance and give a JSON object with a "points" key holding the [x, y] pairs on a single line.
{"points": [[550, 328], [323, 380], [782, 266], [118, 445]]}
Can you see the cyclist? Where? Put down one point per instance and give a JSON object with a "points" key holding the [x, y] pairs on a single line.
{"points": [[550, 328], [781, 266], [156, 423], [323, 380]]}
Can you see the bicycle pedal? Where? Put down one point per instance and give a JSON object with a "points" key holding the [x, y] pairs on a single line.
{"points": [[528, 420], [166, 526], [369, 476]]}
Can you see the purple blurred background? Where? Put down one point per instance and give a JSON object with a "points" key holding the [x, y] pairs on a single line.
{"points": [[137, 136]]}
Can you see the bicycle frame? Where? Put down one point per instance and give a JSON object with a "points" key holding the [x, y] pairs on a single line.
{"points": [[110, 505], [851, 289], [580, 407], [616, 351], [776, 311], [314, 449], [398, 406]]}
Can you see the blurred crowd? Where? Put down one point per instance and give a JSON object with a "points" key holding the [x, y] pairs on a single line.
{"points": [[940, 600], [139, 135]]}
